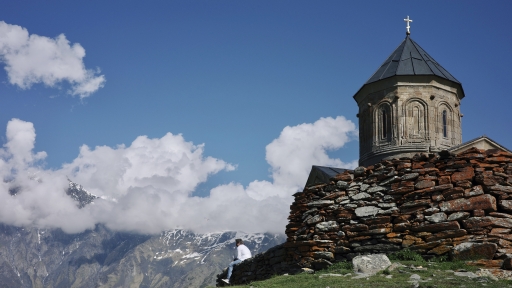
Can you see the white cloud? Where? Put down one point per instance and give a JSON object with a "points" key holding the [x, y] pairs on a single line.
{"points": [[293, 153], [147, 186], [31, 59]]}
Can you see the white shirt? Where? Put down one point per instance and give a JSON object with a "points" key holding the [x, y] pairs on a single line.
{"points": [[243, 252]]}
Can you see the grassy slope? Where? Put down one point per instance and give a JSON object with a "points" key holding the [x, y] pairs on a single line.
{"points": [[438, 274]]}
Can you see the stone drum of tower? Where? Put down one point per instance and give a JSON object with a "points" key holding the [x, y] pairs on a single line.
{"points": [[410, 105]]}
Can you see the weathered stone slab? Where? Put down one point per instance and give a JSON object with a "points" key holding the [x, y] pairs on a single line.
{"points": [[366, 211], [403, 189], [507, 263], [484, 202], [320, 203], [370, 264], [502, 222], [478, 213], [327, 226], [390, 211], [333, 195], [377, 247], [437, 227], [361, 196], [466, 173], [354, 185], [446, 234], [323, 255], [471, 250], [342, 184], [342, 250], [475, 191], [376, 220], [315, 219], [455, 190], [389, 180], [500, 215], [466, 184], [429, 190], [359, 171], [501, 231], [486, 263], [386, 205], [441, 249], [416, 203], [444, 180], [430, 211], [376, 189], [500, 188], [376, 231], [477, 222], [355, 227], [412, 210], [425, 170], [426, 245], [498, 159], [437, 217], [400, 227], [424, 184], [410, 176], [486, 178], [403, 165], [506, 205], [343, 177], [458, 216]]}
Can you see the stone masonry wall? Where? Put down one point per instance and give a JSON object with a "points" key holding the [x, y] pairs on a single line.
{"points": [[436, 204], [261, 266]]}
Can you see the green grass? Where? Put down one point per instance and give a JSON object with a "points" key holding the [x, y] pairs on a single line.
{"points": [[438, 274], [406, 255]]}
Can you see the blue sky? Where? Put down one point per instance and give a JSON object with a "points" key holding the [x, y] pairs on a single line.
{"points": [[234, 74]]}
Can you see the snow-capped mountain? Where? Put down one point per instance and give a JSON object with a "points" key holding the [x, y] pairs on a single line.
{"points": [[32, 257], [79, 194]]}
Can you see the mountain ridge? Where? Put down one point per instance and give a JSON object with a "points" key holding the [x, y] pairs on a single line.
{"points": [[32, 257], [100, 257]]}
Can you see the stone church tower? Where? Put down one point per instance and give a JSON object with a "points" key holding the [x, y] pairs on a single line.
{"points": [[410, 105]]}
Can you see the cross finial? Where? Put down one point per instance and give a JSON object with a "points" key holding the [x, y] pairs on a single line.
{"points": [[408, 26]]}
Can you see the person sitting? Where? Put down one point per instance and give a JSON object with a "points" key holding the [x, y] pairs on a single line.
{"points": [[242, 254]]}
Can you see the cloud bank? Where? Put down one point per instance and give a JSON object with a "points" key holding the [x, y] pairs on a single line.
{"points": [[31, 59], [147, 186]]}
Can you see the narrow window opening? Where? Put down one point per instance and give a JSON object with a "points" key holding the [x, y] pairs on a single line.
{"points": [[384, 124], [445, 128], [416, 119]]}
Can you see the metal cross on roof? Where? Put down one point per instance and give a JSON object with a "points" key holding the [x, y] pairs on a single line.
{"points": [[408, 26]]}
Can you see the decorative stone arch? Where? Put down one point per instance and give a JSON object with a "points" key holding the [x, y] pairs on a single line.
{"points": [[445, 121], [383, 122], [416, 120]]}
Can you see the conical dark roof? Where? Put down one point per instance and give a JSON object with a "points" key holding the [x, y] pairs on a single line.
{"points": [[410, 59]]}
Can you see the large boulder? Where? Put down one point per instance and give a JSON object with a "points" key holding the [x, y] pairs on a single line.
{"points": [[370, 264]]}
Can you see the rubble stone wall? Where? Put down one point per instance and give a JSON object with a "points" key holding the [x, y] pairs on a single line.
{"points": [[436, 204], [274, 261]]}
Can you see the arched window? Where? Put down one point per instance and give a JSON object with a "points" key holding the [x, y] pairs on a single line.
{"points": [[384, 120], [445, 125], [383, 123], [415, 121]]}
